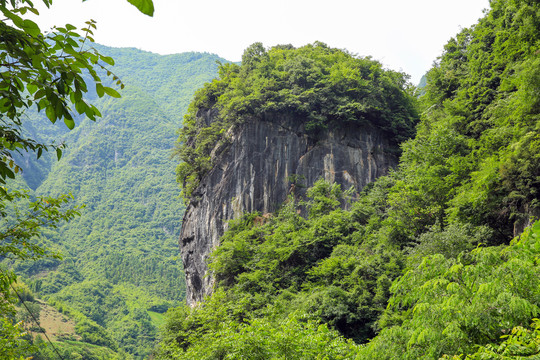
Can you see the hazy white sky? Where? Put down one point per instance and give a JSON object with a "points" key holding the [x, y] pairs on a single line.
{"points": [[405, 35]]}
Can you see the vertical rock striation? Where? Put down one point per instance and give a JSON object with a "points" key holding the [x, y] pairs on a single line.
{"points": [[253, 172]]}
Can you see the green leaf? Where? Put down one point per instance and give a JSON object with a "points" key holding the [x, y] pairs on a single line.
{"points": [[95, 110], [111, 92], [17, 20], [69, 123], [31, 88], [100, 90], [39, 94], [51, 114], [31, 28], [109, 60], [59, 153], [144, 6], [81, 106], [10, 174]]}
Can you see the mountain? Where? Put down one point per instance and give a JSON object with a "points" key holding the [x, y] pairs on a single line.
{"points": [[437, 259], [120, 269], [331, 127]]}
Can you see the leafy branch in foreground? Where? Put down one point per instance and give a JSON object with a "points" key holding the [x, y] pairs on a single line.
{"points": [[21, 225], [46, 70], [453, 306], [18, 230]]}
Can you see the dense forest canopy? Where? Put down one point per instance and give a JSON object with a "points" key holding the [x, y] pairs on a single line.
{"points": [[321, 87], [422, 265]]}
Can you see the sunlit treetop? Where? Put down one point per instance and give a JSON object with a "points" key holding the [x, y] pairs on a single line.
{"points": [[323, 86]]}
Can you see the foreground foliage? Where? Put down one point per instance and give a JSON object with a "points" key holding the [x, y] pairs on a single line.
{"points": [[452, 306], [280, 273], [59, 74], [289, 338], [44, 70]]}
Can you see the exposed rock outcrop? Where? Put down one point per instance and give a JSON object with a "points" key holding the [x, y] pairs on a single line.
{"points": [[253, 172]]}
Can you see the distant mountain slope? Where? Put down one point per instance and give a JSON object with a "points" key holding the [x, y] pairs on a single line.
{"points": [[120, 255], [169, 79]]}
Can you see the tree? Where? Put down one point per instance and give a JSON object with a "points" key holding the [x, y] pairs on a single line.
{"points": [[454, 305], [46, 70], [50, 71], [20, 228]]}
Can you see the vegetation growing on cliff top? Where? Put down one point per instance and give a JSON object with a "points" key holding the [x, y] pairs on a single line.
{"points": [[423, 264], [321, 87]]}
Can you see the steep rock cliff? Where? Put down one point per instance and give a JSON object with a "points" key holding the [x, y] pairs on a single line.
{"points": [[253, 171]]}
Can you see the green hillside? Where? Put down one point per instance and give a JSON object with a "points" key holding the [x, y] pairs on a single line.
{"points": [[423, 265], [120, 269]]}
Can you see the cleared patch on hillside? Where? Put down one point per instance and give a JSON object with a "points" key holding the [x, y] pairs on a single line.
{"points": [[56, 325]]}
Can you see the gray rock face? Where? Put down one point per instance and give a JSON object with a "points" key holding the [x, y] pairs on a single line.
{"points": [[253, 173]]}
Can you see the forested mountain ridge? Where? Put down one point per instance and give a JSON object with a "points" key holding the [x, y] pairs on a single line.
{"points": [[120, 270], [422, 265]]}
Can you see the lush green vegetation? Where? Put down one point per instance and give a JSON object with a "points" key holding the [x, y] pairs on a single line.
{"points": [[325, 279], [422, 264], [76, 350], [321, 86], [52, 72], [120, 260]]}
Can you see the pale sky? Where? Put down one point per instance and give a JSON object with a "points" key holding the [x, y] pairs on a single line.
{"points": [[405, 35]]}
